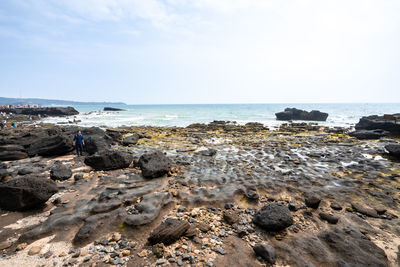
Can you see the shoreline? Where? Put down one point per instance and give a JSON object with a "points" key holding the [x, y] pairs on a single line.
{"points": [[221, 176]]}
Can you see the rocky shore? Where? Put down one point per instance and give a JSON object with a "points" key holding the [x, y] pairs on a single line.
{"points": [[217, 194]]}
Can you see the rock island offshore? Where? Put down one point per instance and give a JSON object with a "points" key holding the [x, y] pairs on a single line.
{"points": [[209, 194]]}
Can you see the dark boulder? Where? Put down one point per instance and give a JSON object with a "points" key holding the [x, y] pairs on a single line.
{"points": [[109, 160], [96, 143], [394, 150], [26, 192], [273, 217], [265, 251], [154, 164], [169, 231], [50, 145], [389, 123], [130, 140], [312, 201], [60, 172], [298, 114], [369, 134]]}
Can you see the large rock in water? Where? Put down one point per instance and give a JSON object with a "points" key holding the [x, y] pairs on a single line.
{"points": [[390, 123], [46, 111], [26, 192], [394, 150], [113, 109], [298, 114], [273, 217], [60, 172], [154, 164], [169, 231], [109, 160]]}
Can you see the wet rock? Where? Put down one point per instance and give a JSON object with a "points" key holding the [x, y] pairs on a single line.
{"points": [[329, 218], [297, 114], [312, 201], [26, 192], [60, 172], [21, 246], [394, 150], [154, 164], [252, 195], [130, 140], [273, 217], [109, 160], [169, 231], [369, 134], [265, 251], [364, 210], [113, 109], [230, 217]]}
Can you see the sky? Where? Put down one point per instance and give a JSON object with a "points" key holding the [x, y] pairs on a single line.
{"points": [[201, 51]]}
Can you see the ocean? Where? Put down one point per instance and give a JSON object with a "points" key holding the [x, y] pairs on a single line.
{"points": [[346, 115]]}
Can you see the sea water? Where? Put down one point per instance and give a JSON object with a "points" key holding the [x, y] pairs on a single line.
{"points": [[346, 115]]}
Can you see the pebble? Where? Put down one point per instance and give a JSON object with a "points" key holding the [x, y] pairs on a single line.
{"points": [[161, 261], [34, 250], [22, 246], [143, 253], [221, 251], [5, 245], [179, 262], [116, 236]]}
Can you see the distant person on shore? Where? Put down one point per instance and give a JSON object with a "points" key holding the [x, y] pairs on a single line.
{"points": [[14, 125], [79, 142], [39, 116], [2, 125]]}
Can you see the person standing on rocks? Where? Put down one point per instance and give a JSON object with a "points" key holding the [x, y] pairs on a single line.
{"points": [[79, 142], [2, 125]]}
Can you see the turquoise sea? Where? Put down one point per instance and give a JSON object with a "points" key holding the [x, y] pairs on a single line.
{"points": [[183, 115]]}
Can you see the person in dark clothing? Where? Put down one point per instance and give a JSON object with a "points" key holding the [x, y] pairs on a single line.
{"points": [[79, 142]]}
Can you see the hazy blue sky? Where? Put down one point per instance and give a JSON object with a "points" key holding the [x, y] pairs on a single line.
{"points": [[201, 51]]}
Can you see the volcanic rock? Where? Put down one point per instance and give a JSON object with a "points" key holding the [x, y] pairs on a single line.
{"points": [[113, 109], [369, 134], [265, 251], [365, 210], [169, 231], [329, 218], [26, 192], [388, 123], [154, 164], [273, 217], [312, 201], [297, 114], [60, 172], [109, 160], [130, 140], [394, 150]]}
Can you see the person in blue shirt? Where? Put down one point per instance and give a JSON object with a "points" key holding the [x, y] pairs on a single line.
{"points": [[79, 142]]}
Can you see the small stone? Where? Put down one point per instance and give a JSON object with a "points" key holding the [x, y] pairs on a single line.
{"points": [[34, 250], [48, 254], [229, 206], [185, 256], [221, 251], [161, 261], [126, 252], [266, 252], [22, 246], [312, 201], [230, 217], [78, 176], [329, 218], [62, 254], [143, 253], [179, 262], [158, 250], [116, 236], [336, 206]]}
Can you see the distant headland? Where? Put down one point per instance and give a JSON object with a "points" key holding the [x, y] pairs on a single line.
{"points": [[49, 102]]}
